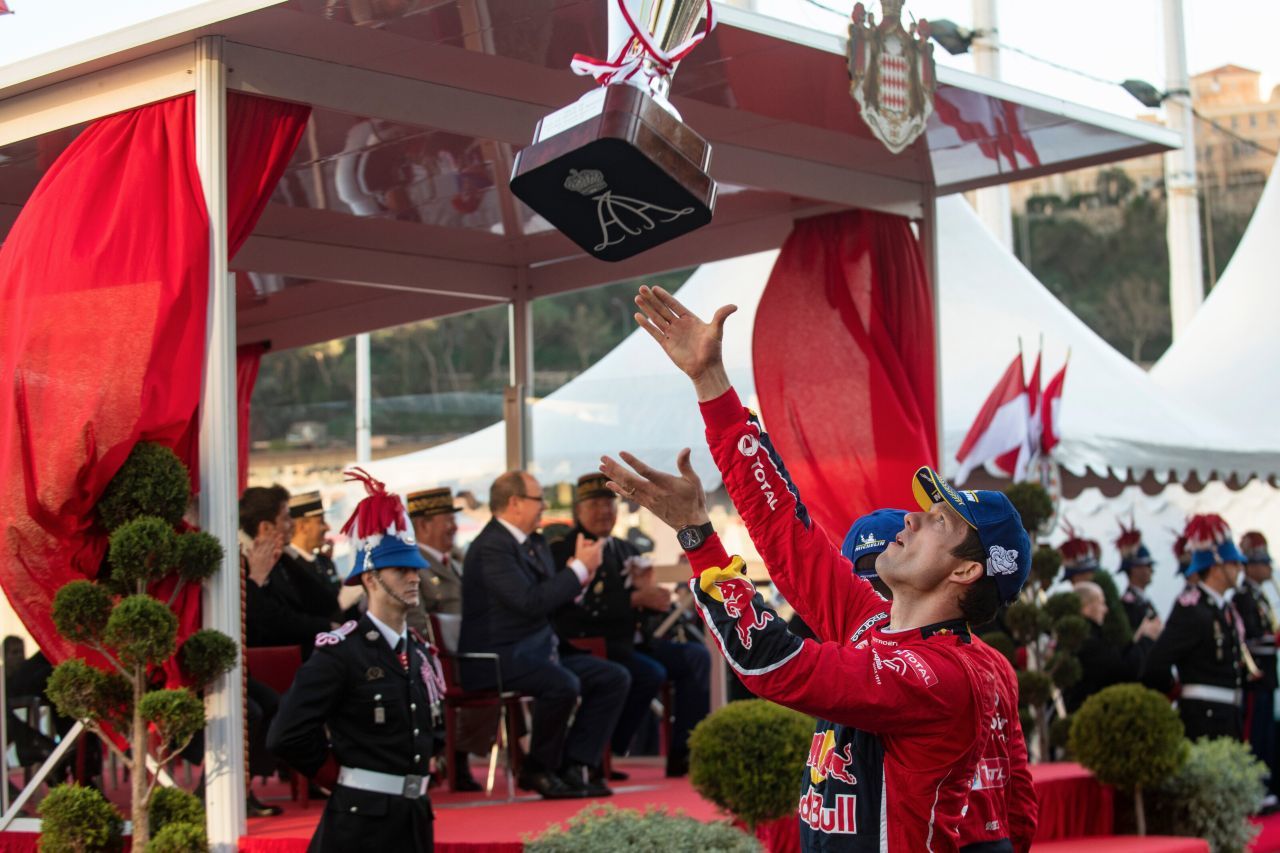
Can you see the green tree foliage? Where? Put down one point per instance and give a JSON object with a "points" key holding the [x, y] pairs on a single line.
{"points": [[747, 756], [174, 805], [153, 481], [81, 610], [136, 634], [79, 820], [1213, 795], [179, 838], [1130, 737], [1115, 625], [206, 655], [142, 550], [1033, 504], [602, 826]]}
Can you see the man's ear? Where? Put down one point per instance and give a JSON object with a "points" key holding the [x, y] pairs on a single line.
{"points": [[968, 571], [261, 525]]}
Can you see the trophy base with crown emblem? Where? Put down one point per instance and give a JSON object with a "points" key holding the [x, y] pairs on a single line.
{"points": [[617, 172]]}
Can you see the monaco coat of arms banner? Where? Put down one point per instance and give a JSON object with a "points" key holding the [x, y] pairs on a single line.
{"points": [[891, 74]]}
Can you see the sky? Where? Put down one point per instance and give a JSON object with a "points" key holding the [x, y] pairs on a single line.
{"points": [[1112, 39]]}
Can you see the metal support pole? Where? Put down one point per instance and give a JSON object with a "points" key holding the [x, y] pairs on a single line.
{"points": [[1186, 279], [364, 400], [992, 203], [224, 759], [516, 400]]}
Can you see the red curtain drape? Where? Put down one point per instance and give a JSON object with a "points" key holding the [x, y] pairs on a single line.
{"points": [[248, 360], [104, 283], [844, 363]]}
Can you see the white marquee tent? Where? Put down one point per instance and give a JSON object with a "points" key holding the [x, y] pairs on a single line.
{"points": [[1225, 360]]}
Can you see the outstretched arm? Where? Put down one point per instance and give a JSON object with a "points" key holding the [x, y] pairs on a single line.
{"points": [[803, 561]]}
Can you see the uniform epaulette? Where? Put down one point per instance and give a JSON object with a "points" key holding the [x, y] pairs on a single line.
{"points": [[1190, 598], [337, 635]]}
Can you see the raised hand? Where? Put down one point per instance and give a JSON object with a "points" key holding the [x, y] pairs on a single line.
{"points": [[692, 345], [678, 500]]}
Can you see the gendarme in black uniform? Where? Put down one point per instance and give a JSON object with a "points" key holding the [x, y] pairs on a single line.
{"points": [[1202, 638], [377, 695]]}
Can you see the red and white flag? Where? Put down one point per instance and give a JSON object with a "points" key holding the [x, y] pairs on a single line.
{"points": [[1018, 462], [1050, 411], [1001, 424], [4, 8]]}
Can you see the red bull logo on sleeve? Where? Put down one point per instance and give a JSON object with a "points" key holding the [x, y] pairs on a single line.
{"points": [[841, 818], [825, 760], [732, 589]]}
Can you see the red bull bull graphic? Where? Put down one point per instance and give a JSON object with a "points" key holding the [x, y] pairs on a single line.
{"points": [[840, 818], [731, 588], [825, 761]]}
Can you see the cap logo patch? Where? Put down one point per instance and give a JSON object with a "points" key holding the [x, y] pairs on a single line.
{"points": [[868, 540], [748, 445], [1002, 561], [971, 497]]}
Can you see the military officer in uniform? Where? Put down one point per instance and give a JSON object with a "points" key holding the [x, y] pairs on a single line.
{"points": [[360, 713], [614, 606], [1259, 620], [432, 513], [1203, 636], [1138, 566]]}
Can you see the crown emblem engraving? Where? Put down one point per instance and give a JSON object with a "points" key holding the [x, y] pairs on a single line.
{"points": [[587, 182]]}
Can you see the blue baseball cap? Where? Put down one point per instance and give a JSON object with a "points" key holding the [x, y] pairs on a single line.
{"points": [[392, 552], [998, 524], [1140, 557], [871, 534]]}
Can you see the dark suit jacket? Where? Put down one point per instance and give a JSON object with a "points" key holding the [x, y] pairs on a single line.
{"points": [[508, 593], [605, 609]]}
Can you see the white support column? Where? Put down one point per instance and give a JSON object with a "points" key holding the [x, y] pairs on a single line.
{"points": [[1186, 277], [224, 761], [992, 203], [515, 408], [364, 401], [928, 234]]}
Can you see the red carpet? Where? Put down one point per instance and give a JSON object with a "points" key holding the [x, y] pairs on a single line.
{"points": [[470, 823], [1268, 841]]}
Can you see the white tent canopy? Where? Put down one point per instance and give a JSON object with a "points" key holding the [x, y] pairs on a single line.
{"points": [[1115, 419], [1224, 362]]}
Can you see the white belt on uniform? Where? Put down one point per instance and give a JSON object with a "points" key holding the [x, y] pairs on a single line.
{"points": [[411, 786], [1210, 693]]}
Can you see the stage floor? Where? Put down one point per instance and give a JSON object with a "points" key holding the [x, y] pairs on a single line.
{"points": [[471, 823]]}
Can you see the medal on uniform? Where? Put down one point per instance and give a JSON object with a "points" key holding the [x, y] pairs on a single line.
{"points": [[1217, 637], [374, 673], [371, 636], [598, 588]]}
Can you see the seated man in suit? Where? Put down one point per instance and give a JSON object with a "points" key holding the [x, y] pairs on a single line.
{"points": [[510, 587], [311, 574], [614, 607]]}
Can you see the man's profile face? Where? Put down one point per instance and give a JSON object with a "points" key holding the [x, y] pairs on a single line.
{"points": [[309, 532], [920, 556], [281, 525], [438, 531], [598, 515], [1140, 576], [402, 581], [1258, 572], [525, 510]]}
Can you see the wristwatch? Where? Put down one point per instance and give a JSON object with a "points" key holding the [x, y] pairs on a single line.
{"points": [[692, 537]]}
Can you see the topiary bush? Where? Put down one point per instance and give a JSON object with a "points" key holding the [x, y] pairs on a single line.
{"points": [[174, 805], [1033, 503], [79, 820], [747, 756], [1213, 795], [1130, 737], [602, 827], [135, 633], [179, 838], [152, 481]]}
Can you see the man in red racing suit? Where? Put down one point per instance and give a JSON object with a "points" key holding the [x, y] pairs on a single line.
{"points": [[924, 706]]}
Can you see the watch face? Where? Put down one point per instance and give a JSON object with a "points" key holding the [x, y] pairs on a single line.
{"points": [[689, 538]]}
